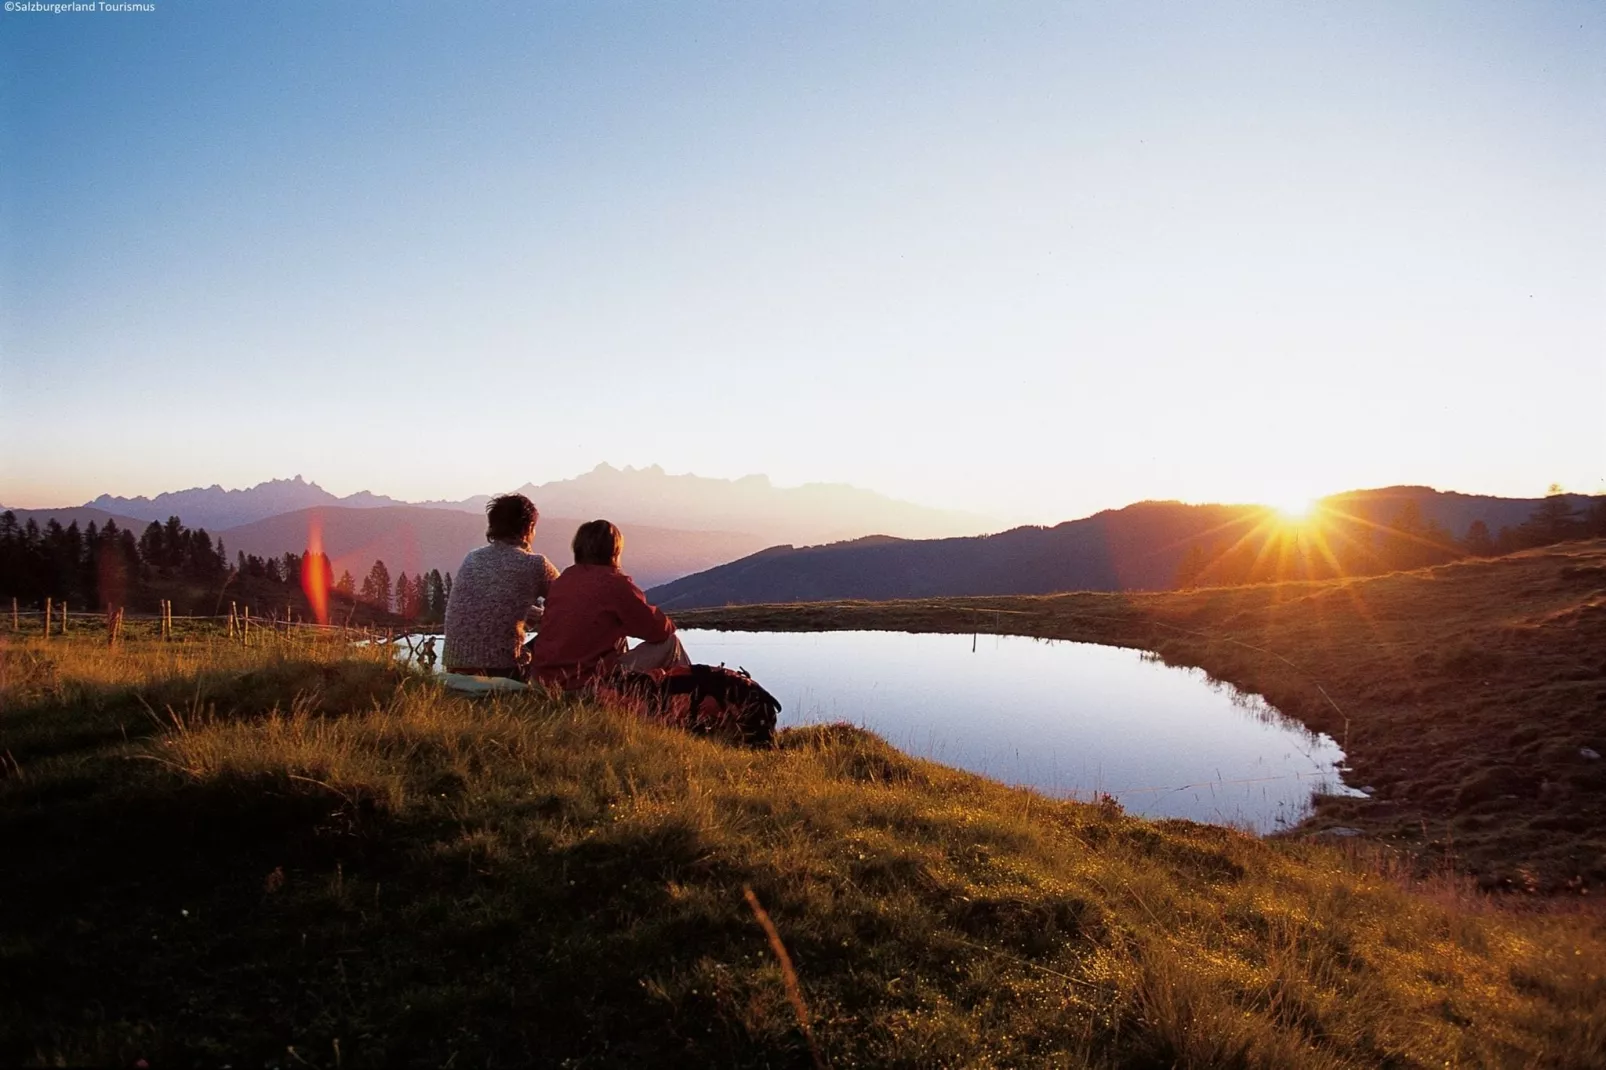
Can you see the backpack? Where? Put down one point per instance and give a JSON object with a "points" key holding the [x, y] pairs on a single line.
{"points": [[708, 700]]}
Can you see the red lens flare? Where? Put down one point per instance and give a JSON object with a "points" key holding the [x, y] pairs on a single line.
{"points": [[315, 572]]}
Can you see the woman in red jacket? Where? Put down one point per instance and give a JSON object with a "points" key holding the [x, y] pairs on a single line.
{"points": [[591, 609]]}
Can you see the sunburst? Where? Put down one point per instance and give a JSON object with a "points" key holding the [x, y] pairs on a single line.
{"points": [[1295, 510]]}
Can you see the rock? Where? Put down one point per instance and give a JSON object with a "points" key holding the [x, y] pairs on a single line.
{"points": [[1589, 753], [1341, 831]]}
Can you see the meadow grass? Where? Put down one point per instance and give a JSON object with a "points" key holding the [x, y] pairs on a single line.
{"points": [[302, 853], [1467, 695]]}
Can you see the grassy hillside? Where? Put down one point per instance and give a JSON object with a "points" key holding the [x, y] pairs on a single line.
{"points": [[300, 854], [1465, 693]]}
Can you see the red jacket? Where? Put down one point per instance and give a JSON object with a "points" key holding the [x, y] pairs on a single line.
{"points": [[590, 609]]}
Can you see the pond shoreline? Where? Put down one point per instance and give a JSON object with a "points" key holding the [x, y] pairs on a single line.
{"points": [[1468, 696]]}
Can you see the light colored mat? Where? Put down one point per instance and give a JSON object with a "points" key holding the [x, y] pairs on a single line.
{"points": [[480, 685]]}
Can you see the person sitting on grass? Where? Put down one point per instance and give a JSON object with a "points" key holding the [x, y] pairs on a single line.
{"points": [[590, 611], [495, 594]]}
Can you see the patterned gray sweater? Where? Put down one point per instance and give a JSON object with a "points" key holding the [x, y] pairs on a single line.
{"points": [[491, 595]]}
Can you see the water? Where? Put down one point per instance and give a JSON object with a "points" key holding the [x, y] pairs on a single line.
{"points": [[1069, 719]]}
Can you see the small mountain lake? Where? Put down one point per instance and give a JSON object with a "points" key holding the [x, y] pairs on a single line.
{"points": [[1070, 719]]}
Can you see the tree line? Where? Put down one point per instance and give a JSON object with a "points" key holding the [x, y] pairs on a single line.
{"points": [[1342, 545], [99, 566]]}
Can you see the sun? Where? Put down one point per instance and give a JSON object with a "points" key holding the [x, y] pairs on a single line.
{"points": [[1295, 510]]}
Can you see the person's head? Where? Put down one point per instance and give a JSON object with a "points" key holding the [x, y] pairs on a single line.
{"points": [[597, 542], [510, 518]]}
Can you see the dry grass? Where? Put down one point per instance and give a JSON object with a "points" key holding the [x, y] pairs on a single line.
{"points": [[220, 854], [1463, 693]]}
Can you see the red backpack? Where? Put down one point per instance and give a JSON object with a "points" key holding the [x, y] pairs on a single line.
{"points": [[708, 700]]}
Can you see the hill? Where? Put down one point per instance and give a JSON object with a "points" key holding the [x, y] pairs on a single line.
{"points": [[1468, 696], [314, 856], [414, 539], [1145, 546], [83, 516], [1136, 548], [1451, 510]]}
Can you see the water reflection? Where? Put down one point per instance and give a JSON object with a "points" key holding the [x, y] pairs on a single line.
{"points": [[1069, 719]]}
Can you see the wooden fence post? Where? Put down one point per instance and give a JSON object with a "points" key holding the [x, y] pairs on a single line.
{"points": [[16, 623], [63, 618], [50, 611]]}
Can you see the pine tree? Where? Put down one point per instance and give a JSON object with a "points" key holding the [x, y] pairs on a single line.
{"points": [[376, 587], [437, 595], [404, 596], [1478, 542]]}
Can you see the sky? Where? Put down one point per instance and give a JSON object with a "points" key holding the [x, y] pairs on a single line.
{"points": [[1028, 260]]}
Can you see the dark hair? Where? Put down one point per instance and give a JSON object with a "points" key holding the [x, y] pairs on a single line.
{"points": [[597, 542], [508, 517]]}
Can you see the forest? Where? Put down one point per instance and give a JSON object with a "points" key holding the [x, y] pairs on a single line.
{"points": [[100, 567]]}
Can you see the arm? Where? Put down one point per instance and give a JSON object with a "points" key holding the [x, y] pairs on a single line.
{"points": [[641, 619], [544, 574]]}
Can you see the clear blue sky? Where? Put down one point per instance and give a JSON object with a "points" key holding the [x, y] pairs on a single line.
{"points": [[1031, 260]]}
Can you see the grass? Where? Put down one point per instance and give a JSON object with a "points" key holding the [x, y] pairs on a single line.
{"points": [[1464, 694], [301, 854]]}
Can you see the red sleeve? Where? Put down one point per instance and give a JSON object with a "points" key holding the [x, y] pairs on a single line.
{"points": [[641, 619]]}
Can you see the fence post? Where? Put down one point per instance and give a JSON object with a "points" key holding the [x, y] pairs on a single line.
{"points": [[64, 618], [245, 627], [16, 623], [50, 610]]}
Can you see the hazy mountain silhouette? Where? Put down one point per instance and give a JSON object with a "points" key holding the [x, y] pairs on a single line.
{"points": [[414, 539], [213, 507], [1140, 547], [627, 496], [812, 512]]}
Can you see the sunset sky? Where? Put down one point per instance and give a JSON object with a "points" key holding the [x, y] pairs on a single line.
{"points": [[1027, 260]]}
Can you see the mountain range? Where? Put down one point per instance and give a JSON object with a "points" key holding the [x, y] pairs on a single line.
{"points": [[814, 512], [674, 524], [699, 542], [1140, 547]]}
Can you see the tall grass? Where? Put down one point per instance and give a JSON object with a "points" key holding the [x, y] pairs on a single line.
{"points": [[370, 861]]}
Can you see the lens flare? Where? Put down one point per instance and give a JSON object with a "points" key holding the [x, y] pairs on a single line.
{"points": [[315, 571]]}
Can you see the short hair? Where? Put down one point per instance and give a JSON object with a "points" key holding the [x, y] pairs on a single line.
{"points": [[509, 516], [598, 542]]}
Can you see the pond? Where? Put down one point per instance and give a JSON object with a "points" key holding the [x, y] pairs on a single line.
{"points": [[1069, 719]]}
